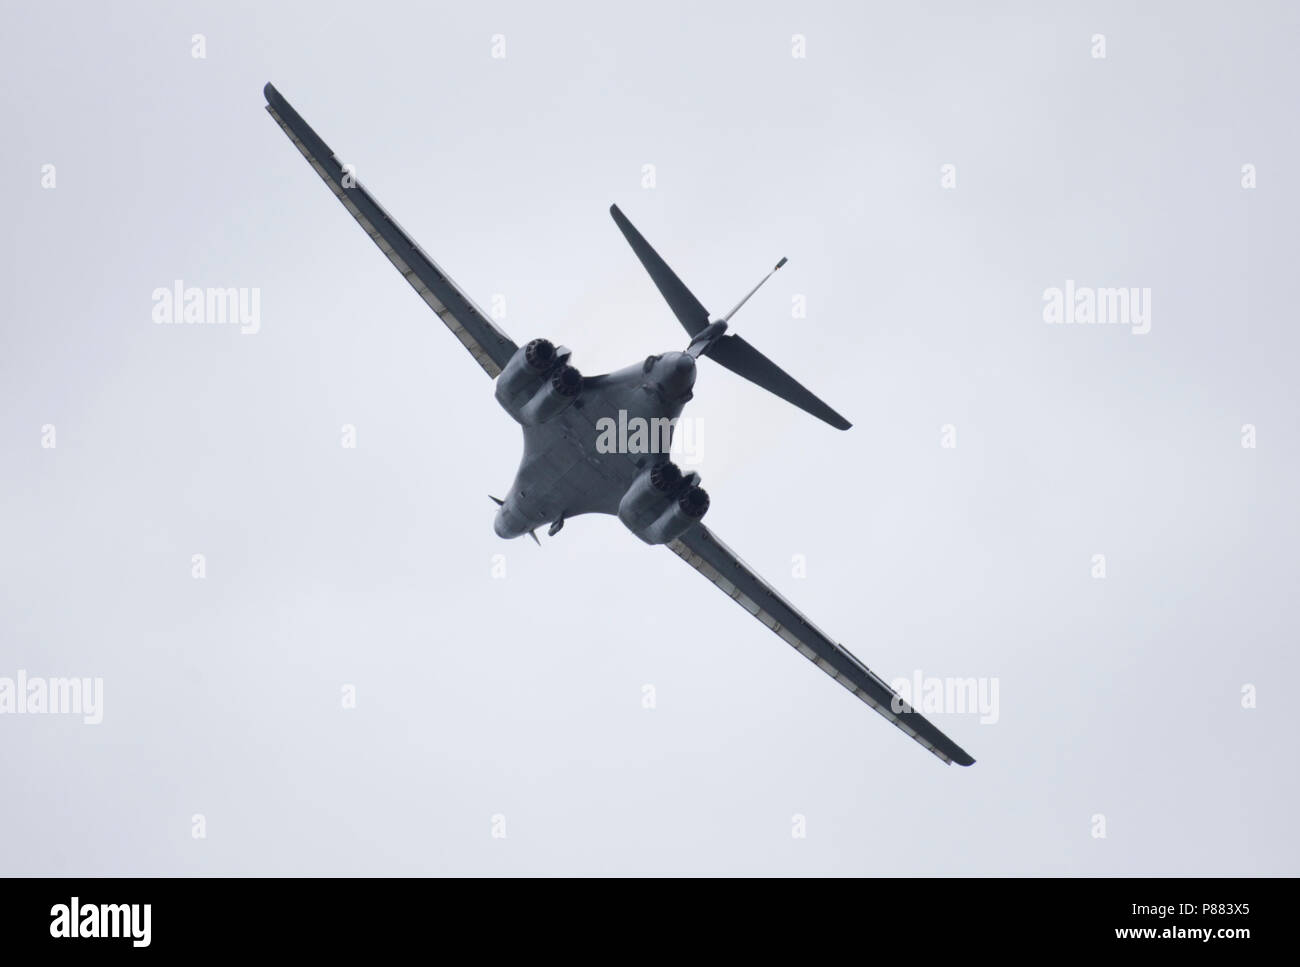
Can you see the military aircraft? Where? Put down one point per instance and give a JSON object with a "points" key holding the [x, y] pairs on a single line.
{"points": [[564, 472]]}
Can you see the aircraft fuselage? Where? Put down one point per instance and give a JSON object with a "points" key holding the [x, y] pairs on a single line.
{"points": [[568, 467]]}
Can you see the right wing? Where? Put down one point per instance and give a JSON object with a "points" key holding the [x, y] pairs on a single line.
{"points": [[486, 343], [717, 562]]}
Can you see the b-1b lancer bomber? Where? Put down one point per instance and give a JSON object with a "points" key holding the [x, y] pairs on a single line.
{"points": [[565, 472]]}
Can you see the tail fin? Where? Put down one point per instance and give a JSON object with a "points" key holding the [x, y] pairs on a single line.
{"points": [[727, 350], [744, 360]]}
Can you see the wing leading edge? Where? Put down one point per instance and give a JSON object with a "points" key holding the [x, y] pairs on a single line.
{"points": [[485, 342], [717, 562]]}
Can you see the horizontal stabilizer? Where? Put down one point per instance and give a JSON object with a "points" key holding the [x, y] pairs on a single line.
{"points": [[744, 360], [685, 306], [727, 350]]}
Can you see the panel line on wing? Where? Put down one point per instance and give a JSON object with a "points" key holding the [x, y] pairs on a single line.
{"points": [[466, 338], [790, 637]]}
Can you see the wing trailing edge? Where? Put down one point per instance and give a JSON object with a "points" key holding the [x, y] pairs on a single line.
{"points": [[489, 346]]}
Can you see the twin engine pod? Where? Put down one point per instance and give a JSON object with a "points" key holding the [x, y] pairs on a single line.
{"points": [[538, 383], [662, 503]]}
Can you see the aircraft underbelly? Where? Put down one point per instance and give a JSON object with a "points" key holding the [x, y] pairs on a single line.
{"points": [[564, 472]]}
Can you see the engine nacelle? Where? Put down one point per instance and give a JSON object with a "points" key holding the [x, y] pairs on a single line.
{"points": [[689, 507], [556, 395], [649, 496], [661, 503], [525, 372]]}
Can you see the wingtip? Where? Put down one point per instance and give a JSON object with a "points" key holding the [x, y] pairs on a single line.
{"points": [[269, 92], [958, 755]]}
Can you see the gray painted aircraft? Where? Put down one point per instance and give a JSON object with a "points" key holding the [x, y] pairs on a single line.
{"points": [[566, 471]]}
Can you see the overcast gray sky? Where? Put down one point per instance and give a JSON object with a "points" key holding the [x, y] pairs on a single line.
{"points": [[488, 704]]}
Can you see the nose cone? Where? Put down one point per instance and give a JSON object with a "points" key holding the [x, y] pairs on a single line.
{"points": [[507, 524], [677, 373]]}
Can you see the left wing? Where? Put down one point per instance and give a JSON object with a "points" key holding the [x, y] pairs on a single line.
{"points": [[485, 342], [708, 555]]}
